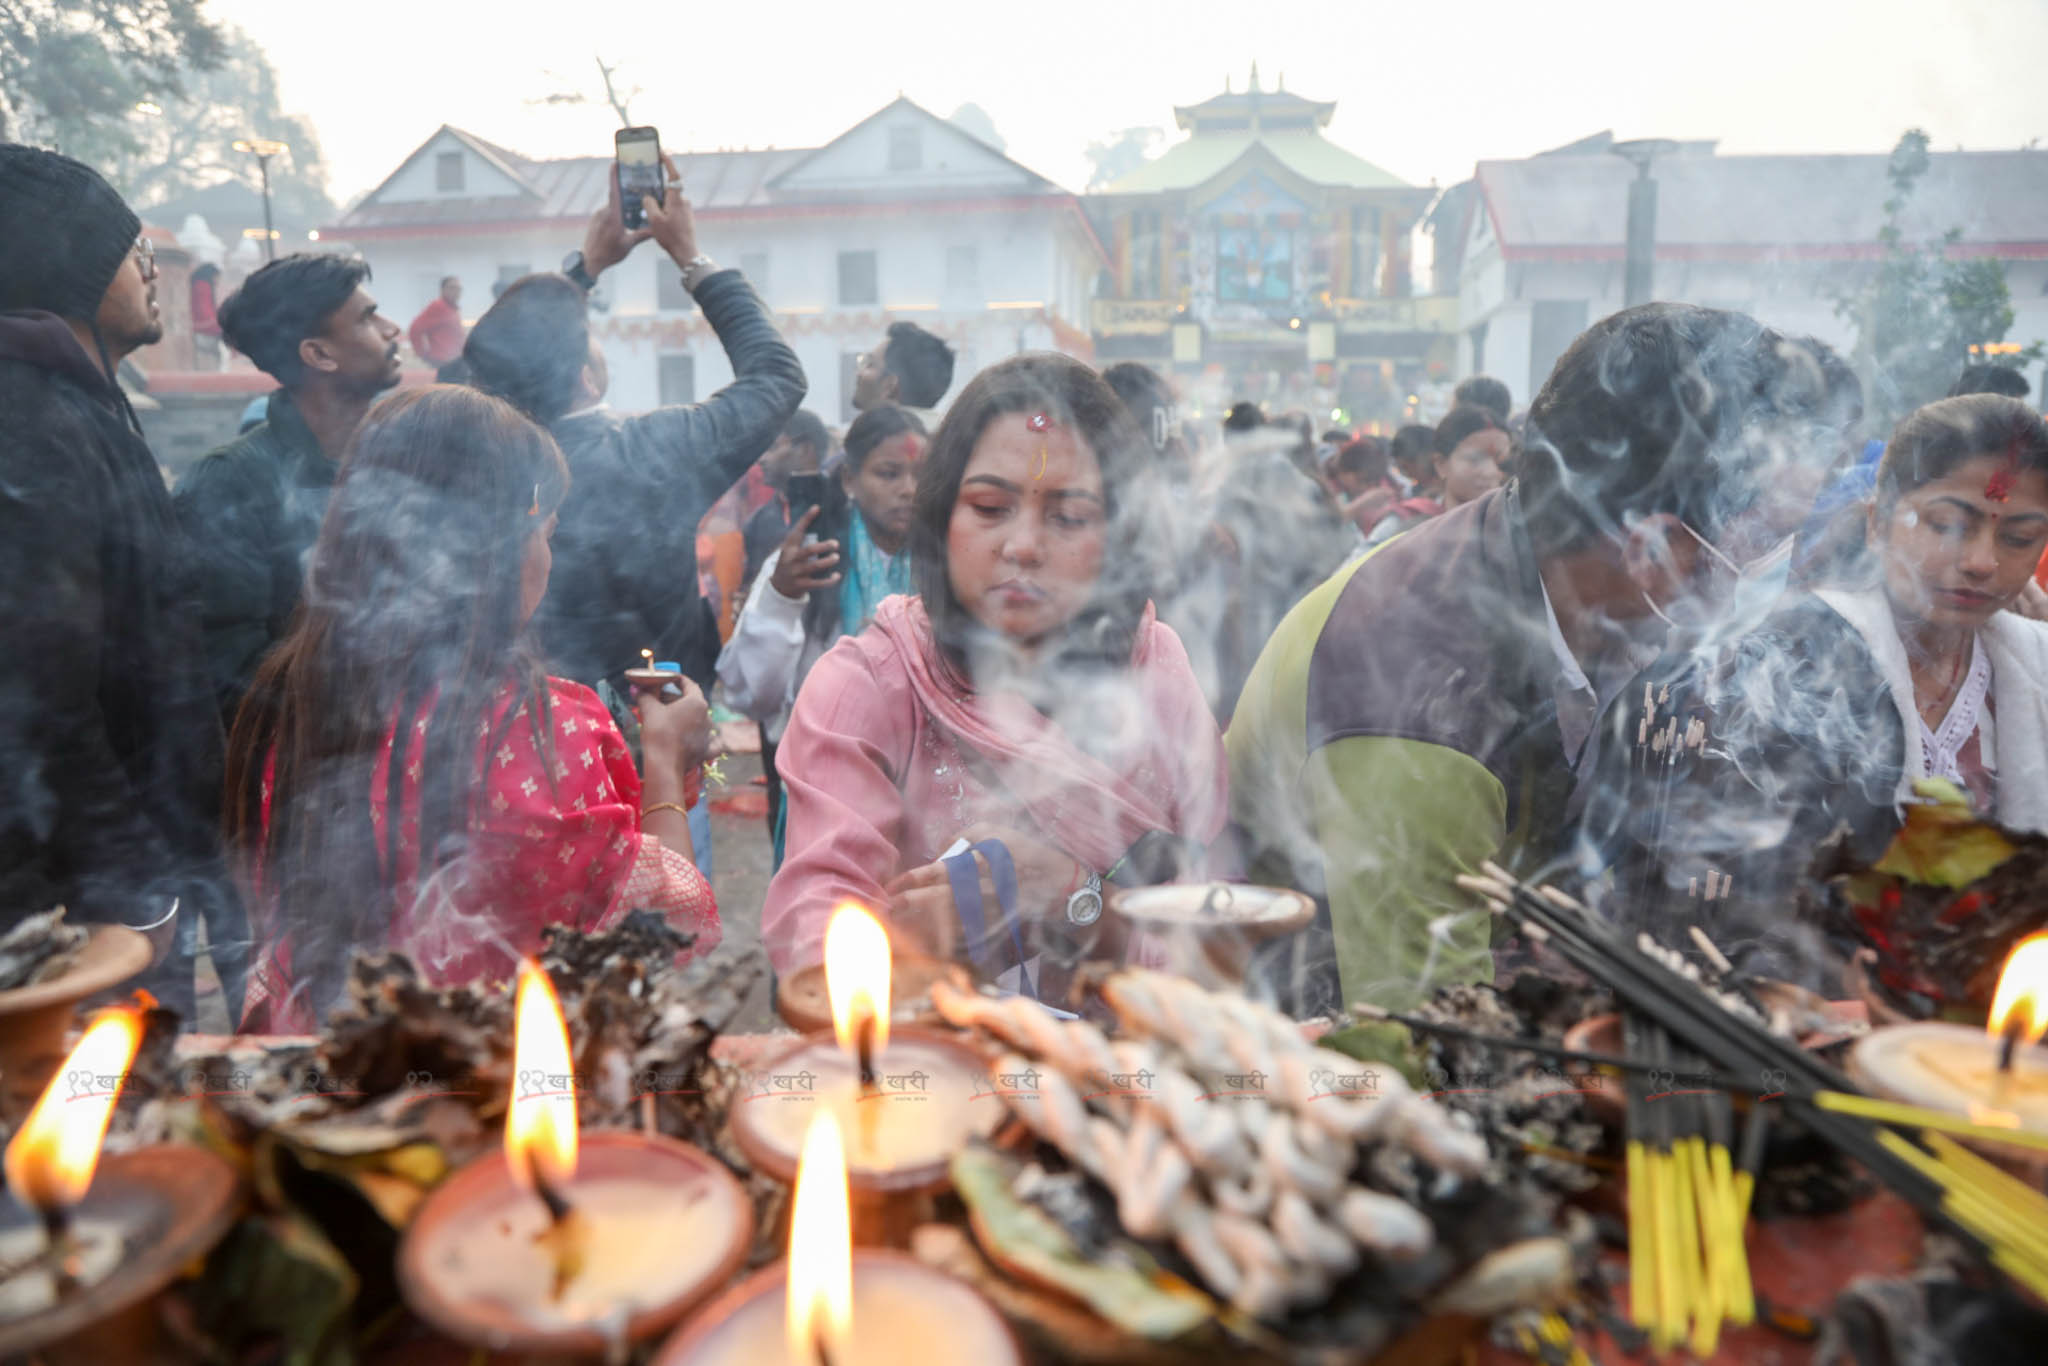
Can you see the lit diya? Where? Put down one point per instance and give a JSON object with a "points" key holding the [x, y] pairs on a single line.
{"points": [[564, 1245], [907, 1099], [1993, 1076], [829, 1305], [659, 676], [86, 1244]]}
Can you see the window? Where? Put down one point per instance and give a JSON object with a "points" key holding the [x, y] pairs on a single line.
{"points": [[1553, 324], [906, 149], [669, 294], [676, 372], [448, 173], [857, 278], [849, 369], [1365, 255], [963, 270], [754, 265], [1145, 281], [506, 275]]}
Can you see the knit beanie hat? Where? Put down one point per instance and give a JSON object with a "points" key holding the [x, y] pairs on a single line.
{"points": [[64, 233]]}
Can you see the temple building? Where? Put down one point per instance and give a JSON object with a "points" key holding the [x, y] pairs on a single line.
{"points": [[1257, 259]]}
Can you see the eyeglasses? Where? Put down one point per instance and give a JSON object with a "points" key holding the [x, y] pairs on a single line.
{"points": [[145, 257]]}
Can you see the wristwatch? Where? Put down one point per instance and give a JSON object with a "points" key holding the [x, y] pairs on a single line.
{"points": [[573, 267], [1084, 906], [695, 269]]}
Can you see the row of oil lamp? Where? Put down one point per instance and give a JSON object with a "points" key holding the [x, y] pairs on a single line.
{"points": [[568, 1245]]}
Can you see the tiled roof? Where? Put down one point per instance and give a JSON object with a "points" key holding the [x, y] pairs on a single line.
{"points": [[1754, 202], [1203, 157]]}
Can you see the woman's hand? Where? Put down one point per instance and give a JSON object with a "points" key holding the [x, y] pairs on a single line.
{"points": [[677, 733], [801, 567], [921, 900]]}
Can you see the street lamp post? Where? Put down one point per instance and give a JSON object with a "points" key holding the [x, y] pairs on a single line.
{"points": [[1639, 280], [263, 149]]}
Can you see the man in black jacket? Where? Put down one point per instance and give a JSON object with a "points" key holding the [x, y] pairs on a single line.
{"points": [[253, 508], [625, 549], [110, 748]]}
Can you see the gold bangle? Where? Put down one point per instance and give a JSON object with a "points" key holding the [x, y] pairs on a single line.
{"points": [[676, 807]]}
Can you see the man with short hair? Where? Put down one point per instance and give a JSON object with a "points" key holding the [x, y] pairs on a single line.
{"points": [[801, 449], [1431, 706], [1484, 391], [253, 507], [437, 332], [910, 368], [110, 748]]}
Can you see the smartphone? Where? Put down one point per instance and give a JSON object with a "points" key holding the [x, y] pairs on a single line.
{"points": [[804, 492], [639, 154]]}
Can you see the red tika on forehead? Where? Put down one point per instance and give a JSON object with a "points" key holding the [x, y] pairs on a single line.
{"points": [[1998, 488], [913, 445], [1039, 422]]}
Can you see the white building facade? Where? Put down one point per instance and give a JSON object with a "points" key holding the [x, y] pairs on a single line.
{"points": [[1541, 247], [905, 216]]}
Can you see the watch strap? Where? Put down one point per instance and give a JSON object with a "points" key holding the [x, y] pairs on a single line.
{"points": [[578, 273]]}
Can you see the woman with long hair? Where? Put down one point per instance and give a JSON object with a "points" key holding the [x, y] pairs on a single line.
{"points": [[1023, 699], [403, 773]]}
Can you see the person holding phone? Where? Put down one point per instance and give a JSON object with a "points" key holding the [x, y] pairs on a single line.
{"points": [[843, 554], [404, 774]]}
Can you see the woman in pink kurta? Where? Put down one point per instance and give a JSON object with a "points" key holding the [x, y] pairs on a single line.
{"points": [[1024, 694]]}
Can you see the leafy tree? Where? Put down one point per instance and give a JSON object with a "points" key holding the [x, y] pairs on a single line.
{"points": [[73, 71], [1920, 312], [1117, 155], [191, 144]]}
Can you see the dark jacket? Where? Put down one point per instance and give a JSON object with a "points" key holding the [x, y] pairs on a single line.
{"points": [[251, 511], [625, 549], [110, 747], [762, 536]]}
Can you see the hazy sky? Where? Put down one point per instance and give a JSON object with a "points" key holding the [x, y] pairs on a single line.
{"points": [[1423, 89]]}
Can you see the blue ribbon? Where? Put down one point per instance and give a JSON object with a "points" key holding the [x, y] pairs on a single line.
{"points": [[964, 873]]}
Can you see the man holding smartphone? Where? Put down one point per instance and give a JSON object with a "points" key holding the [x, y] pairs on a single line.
{"points": [[625, 555]]}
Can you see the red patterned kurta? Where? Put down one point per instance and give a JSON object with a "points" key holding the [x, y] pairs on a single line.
{"points": [[558, 846]]}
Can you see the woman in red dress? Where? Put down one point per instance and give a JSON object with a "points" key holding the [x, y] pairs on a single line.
{"points": [[409, 683]]}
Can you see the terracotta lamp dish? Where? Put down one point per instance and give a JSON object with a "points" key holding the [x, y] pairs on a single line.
{"points": [[668, 1223], [1254, 912], [35, 1019], [904, 1314], [801, 998], [932, 1094], [149, 1214]]}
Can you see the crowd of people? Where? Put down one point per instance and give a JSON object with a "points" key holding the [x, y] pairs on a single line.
{"points": [[360, 682]]}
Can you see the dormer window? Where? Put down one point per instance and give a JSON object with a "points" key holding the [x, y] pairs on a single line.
{"points": [[906, 149], [448, 173]]}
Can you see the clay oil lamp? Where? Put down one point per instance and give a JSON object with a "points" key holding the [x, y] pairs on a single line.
{"points": [[1994, 1076], [35, 1019], [662, 677], [568, 1245], [832, 1305], [86, 1244], [906, 1099], [1210, 929]]}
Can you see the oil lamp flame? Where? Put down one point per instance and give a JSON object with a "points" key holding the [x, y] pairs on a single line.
{"points": [[51, 1160], [820, 1290], [2019, 1008], [540, 1123], [857, 978]]}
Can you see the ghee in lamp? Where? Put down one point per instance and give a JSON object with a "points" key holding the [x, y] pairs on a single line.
{"points": [[1995, 1075], [831, 1304], [568, 1242], [905, 1100]]}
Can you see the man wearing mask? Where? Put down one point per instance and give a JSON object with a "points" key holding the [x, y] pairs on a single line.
{"points": [[1433, 705], [252, 508], [910, 368], [110, 747]]}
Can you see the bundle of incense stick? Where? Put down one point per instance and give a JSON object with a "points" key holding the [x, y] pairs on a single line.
{"points": [[2004, 1219]]}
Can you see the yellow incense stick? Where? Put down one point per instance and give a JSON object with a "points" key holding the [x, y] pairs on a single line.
{"points": [[1670, 1287], [1913, 1116], [1640, 1298]]}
